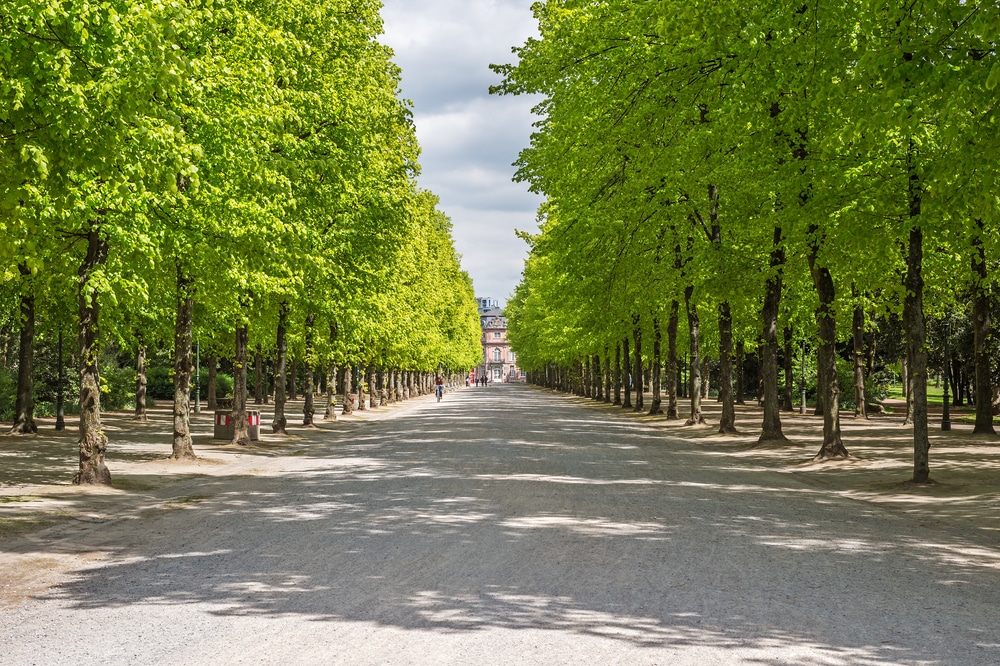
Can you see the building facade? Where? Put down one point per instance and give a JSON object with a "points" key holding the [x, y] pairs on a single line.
{"points": [[499, 362]]}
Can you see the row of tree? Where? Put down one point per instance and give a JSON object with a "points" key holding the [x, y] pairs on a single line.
{"points": [[227, 171], [800, 172]]}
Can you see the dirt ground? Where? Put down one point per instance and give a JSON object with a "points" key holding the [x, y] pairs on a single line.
{"points": [[36, 493]]}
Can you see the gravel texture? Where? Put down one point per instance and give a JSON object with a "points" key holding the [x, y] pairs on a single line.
{"points": [[503, 525]]}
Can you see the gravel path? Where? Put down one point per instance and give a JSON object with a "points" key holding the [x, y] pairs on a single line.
{"points": [[510, 526]]}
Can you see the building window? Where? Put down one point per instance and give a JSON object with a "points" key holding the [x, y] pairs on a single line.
{"points": [[496, 334], [497, 356]]}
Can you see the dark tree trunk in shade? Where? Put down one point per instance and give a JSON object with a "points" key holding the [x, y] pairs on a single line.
{"points": [[93, 442], [672, 365], [637, 378], [24, 402], [626, 374], [694, 383], [820, 408], [183, 368], [771, 427], [607, 374], [241, 433], [858, 334], [656, 402], [213, 374], [348, 391], [258, 377], [916, 335], [618, 375], [741, 393], [598, 379], [982, 330], [587, 386], [140, 383], [308, 407], [279, 424], [789, 357], [826, 322], [727, 423]]}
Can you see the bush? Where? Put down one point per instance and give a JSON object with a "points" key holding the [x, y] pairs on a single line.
{"points": [[117, 387], [160, 384], [8, 393]]}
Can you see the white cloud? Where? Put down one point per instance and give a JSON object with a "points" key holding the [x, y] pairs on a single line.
{"points": [[469, 139]]}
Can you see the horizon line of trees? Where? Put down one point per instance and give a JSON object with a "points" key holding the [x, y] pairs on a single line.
{"points": [[766, 175], [236, 173]]}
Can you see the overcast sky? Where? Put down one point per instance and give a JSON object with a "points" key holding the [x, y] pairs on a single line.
{"points": [[469, 138]]}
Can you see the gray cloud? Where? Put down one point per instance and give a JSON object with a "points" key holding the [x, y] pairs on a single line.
{"points": [[469, 139]]}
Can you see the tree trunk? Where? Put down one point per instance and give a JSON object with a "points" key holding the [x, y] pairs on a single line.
{"points": [[672, 325], [140, 383], [348, 391], [858, 329], [655, 406], [183, 368], [727, 424], [618, 375], [372, 387], [598, 379], [361, 389], [626, 374], [913, 321], [241, 433], [280, 423], [789, 357], [607, 374], [93, 442], [694, 331], [293, 387], [330, 414], [258, 377], [832, 446], [771, 430], [637, 378], [982, 331], [24, 404], [213, 373], [309, 408]]}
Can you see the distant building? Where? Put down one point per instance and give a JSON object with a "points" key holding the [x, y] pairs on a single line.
{"points": [[498, 362]]}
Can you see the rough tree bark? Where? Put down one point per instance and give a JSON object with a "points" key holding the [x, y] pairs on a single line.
{"points": [[308, 407], [637, 378], [771, 427], [626, 375], [618, 374], [982, 330], [183, 368], [241, 433], [672, 325], [280, 423], [913, 322], [607, 374], [694, 331], [372, 387], [832, 446], [741, 393], [598, 379], [330, 413], [858, 332], [140, 382], [348, 391], [24, 403], [213, 377], [93, 442], [727, 423], [258, 376]]}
